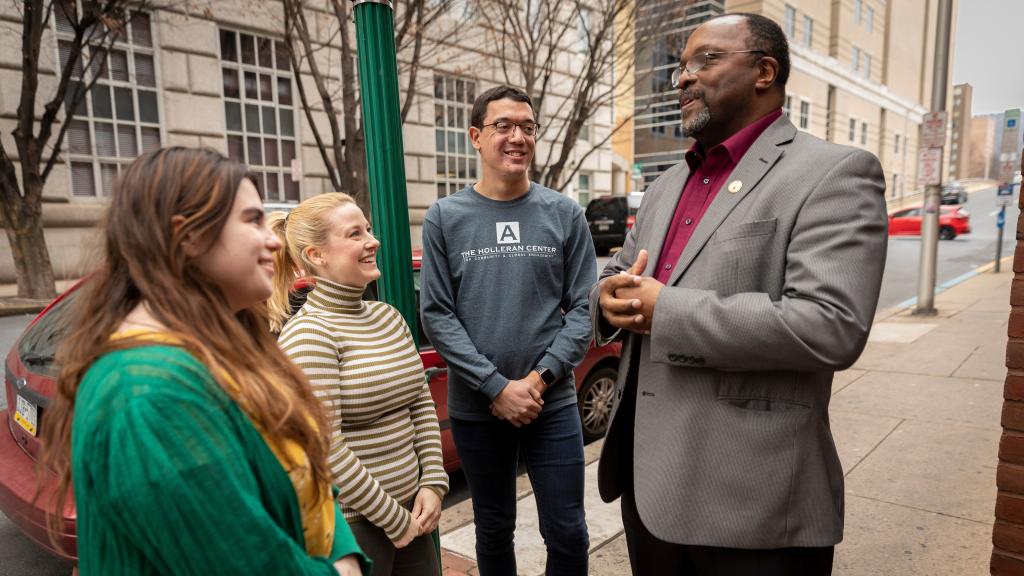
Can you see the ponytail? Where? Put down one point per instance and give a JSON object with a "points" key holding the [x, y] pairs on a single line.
{"points": [[286, 272]]}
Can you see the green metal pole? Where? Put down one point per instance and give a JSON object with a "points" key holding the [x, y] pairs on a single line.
{"points": [[385, 155]]}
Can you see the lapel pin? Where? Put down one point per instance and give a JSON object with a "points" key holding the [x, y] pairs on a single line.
{"points": [[735, 186]]}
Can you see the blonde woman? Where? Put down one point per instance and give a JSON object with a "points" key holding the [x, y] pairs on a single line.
{"points": [[385, 444]]}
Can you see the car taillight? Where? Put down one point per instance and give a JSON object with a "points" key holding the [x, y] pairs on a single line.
{"points": [[629, 221]]}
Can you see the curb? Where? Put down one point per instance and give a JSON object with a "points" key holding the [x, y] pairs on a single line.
{"points": [[911, 302], [20, 306]]}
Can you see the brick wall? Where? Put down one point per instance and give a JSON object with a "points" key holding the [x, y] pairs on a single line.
{"points": [[1008, 531]]}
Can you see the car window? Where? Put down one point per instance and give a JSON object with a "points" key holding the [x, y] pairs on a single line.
{"points": [[38, 345], [602, 208]]}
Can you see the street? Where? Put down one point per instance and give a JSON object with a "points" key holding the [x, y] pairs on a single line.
{"points": [[957, 258]]}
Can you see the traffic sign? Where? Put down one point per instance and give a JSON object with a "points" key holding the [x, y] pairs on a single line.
{"points": [[1004, 197], [929, 167], [933, 130]]}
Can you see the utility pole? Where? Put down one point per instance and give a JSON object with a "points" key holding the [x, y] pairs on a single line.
{"points": [[933, 191], [385, 154]]}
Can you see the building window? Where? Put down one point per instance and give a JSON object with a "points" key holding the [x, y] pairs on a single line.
{"points": [[895, 184], [855, 59], [808, 31], [896, 144], [587, 130], [805, 114], [583, 188], [856, 10], [456, 158], [789, 22], [867, 66], [853, 129], [788, 106], [864, 133], [870, 19], [120, 116], [583, 27], [259, 111]]}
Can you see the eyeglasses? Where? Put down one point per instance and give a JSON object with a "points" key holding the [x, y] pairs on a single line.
{"points": [[528, 128], [699, 61]]}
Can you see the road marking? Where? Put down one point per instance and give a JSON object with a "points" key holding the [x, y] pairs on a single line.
{"points": [[950, 283]]}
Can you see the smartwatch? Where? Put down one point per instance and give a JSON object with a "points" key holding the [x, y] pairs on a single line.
{"points": [[546, 375]]}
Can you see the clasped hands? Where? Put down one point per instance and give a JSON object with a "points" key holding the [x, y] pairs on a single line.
{"points": [[521, 400], [627, 299]]}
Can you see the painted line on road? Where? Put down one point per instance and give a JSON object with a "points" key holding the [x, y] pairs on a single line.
{"points": [[950, 283]]}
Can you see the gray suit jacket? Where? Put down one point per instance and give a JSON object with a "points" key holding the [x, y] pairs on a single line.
{"points": [[725, 404]]}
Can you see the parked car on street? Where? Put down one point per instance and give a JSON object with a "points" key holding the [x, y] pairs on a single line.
{"points": [[953, 221], [610, 218], [30, 381], [953, 193]]}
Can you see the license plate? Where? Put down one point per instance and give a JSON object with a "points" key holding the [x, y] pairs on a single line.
{"points": [[26, 415], [602, 227]]}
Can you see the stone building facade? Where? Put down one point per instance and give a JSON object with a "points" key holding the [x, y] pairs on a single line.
{"points": [[218, 77]]}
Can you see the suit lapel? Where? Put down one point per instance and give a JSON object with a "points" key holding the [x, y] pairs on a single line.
{"points": [[758, 160], [663, 212]]}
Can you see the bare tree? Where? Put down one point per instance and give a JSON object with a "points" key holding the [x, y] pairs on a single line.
{"points": [[528, 37], [38, 138], [342, 148]]}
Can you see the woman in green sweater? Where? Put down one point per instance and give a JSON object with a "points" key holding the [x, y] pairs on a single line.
{"points": [[360, 358], [194, 446]]}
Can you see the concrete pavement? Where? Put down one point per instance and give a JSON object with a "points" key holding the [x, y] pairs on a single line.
{"points": [[916, 423]]}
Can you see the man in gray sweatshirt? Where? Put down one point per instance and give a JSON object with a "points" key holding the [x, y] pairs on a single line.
{"points": [[507, 268]]}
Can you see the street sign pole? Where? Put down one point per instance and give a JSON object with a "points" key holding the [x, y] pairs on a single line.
{"points": [[385, 155], [930, 218], [1000, 224], [1004, 196]]}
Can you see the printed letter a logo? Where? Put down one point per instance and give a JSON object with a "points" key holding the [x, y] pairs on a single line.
{"points": [[508, 232]]}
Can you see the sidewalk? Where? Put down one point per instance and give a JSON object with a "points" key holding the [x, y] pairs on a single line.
{"points": [[916, 422]]}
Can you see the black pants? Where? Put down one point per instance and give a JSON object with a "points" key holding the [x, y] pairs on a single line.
{"points": [[419, 558], [651, 556]]}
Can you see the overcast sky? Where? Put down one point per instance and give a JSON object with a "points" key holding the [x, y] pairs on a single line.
{"points": [[989, 49]]}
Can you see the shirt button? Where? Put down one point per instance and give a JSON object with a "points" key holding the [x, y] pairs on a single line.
{"points": [[688, 221], [668, 266], [706, 180]]}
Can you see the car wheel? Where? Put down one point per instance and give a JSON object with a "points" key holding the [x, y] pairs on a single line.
{"points": [[963, 197], [595, 402], [946, 233]]}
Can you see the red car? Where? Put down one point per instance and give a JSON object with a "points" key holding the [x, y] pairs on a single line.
{"points": [[30, 378], [953, 221]]}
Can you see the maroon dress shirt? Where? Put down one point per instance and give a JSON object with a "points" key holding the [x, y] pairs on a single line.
{"points": [[708, 173]]}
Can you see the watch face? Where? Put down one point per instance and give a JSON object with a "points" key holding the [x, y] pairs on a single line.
{"points": [[547, 376]]}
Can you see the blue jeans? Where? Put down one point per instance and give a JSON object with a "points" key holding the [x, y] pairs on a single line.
{"points": [[552, 448]]}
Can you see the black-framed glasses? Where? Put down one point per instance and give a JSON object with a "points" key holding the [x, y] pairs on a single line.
{"points": [[528, 128], [699, 61]]}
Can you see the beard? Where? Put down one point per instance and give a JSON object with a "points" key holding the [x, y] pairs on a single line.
{"points": [[699, 121]]}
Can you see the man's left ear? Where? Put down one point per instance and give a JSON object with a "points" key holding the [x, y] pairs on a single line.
{"points": [[767, 72], [189, 243]]}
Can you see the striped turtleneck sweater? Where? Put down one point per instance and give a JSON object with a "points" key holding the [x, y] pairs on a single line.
{"points": [[363, 365]]}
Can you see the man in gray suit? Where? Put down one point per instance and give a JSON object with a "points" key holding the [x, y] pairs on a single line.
{"points": [[766, 249]]}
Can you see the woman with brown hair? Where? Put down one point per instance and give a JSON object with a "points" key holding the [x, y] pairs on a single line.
{"points": [[360, 358], [195, 446]]}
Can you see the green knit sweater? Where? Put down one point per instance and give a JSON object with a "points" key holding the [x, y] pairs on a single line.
{"points": [[171, 477]]}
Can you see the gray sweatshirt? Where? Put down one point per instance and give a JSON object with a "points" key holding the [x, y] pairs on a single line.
{"points": [[504, 288]]}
